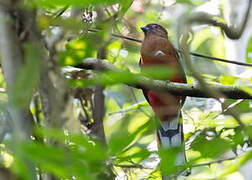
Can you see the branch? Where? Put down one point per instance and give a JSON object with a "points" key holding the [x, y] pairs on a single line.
{"points": [[12, 60], [136, 106], [184, 27], [231, 32], [98, 108], [139, 166], [6, 174], [181, 89]]}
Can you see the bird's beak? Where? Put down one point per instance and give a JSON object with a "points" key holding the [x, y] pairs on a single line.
{"points": [[145, 28]]}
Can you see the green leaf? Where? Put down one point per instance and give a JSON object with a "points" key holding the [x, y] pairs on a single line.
{"points": [[205, 147], [158, 72], [92, 153], [239, 106], [249, 52], [121, 139], [54, 3], [116, 96], [49, 158], [106, 78], [71, 155], [228, 80], [134, 154], [20, 168], [188, 2], [168, 160], [238, 137], [76, 51], [125, 5], [201, 37], [246, 89], [236, 165]]}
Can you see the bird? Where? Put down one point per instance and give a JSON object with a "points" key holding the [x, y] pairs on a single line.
{"points": [[157, 51]]}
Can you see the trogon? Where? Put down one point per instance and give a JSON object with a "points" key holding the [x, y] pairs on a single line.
{"points": [[157, 51]]}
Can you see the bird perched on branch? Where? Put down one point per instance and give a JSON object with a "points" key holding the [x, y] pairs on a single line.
{"points": [[157, 51]]}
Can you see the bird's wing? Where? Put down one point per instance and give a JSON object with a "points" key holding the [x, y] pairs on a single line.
{"points": [[144, 91], [178, 58], [182, 74]]}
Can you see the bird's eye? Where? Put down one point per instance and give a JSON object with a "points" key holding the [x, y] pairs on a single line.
{"points": [[154, 26]]}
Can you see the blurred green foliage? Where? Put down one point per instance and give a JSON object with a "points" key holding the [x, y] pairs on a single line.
{"points": [[129, 121], [25, 81], [249, 51]]}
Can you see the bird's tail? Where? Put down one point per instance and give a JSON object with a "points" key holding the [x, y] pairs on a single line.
{"points": [[170, 135]]}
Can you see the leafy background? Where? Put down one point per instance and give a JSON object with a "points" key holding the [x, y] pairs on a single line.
{"points": [[131, 151]]}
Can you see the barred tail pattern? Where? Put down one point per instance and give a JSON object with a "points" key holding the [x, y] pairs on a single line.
{"points": [[170, 134]]}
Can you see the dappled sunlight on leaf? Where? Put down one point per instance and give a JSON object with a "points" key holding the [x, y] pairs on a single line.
{"points": [[76, 51], [71, 31], [204, 146]]}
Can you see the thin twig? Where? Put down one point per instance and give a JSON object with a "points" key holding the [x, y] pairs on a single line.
{"points": [[229, 107], [217, 59], [212, 162], [140, 166], [135, 98], [180, 51], [118, 36], [233, 105], [184, 28], [131, 108], [99, 108], [233, 32], [37, 110], [60, 12], [83, 108]]}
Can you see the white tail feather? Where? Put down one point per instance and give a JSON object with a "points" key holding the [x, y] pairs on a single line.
{"points": [[170, 134]]}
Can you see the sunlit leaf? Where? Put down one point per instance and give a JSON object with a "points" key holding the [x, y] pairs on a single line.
{"points": [[238, 137], [249, 51], [218, 47], [247, 89], [74, 155], [77, 50], [228, 80], [168, 161], [118, 97], [158, 72], [200, 37], [125, 5], [236, 165], [188, 2], [205, 146], [70, 24], [50, 3], [20, 168], [122, 138], [239, 106]]}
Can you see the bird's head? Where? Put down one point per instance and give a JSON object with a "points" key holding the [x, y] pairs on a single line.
{"points": [[154, 29]]}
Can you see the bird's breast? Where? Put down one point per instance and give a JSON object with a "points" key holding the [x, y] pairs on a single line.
{"points": [[166, 61]]}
